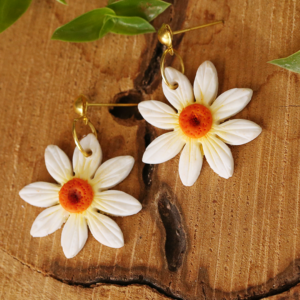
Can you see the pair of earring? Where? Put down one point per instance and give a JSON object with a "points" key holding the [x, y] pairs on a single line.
{"points": [[197, 127]]}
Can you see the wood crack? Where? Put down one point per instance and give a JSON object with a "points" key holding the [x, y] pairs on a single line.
{"points": [[277, 291], [160, 290], [96, 283], [175, 246]]}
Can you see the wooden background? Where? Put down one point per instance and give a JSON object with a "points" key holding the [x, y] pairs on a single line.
{"points": [[220, 239]]}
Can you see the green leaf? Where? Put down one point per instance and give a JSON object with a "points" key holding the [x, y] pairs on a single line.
{"points": [[108, 25], [85, 28], [11, 11], [62, 2], [291, 62], [146, 9], [129, 25]]}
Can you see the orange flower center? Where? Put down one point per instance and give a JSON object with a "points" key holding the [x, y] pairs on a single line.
{"points": [[195, 120], [76, 195]]}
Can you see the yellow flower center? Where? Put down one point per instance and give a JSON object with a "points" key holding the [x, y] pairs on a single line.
{"points": [[76, 195], [195, 120]]}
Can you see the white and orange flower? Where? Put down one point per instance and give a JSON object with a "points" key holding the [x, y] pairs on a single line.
{"points": [[77, 199], [198, 124]]}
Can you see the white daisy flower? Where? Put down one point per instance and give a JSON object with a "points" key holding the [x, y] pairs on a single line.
{"points": [[77, 199], [197, 125]]}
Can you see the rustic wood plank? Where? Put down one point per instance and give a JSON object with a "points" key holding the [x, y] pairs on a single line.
{"points": [[219, 239]]}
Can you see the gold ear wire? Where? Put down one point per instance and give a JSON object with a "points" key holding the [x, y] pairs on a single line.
{"points": [[80, 106], [165, 36]]}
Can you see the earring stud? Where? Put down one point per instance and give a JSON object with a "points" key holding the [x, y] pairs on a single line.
{"points": [[80, 107], [165, 36]]}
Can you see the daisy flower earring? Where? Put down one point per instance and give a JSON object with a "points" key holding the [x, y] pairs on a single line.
{"points": [[82, 195], [197, 122]]}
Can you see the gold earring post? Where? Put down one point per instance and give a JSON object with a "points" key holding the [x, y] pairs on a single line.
{"points": [[197, 27], [165, 36], [114, 105], [80, 106]]}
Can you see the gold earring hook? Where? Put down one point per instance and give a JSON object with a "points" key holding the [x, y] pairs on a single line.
{"points": [[165, 36], [80, 106]]}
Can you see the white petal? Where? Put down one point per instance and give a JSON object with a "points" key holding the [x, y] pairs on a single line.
{"points": [[74, 235], [218, 156], [85, 167], [117, 203], [163, 148], [230, 103], [190, 163], [105, 230], [113, 171], [238, 132], [41, 194], [58, 164], [49, 221], [158, 114], [183, 95], [206, 83]]}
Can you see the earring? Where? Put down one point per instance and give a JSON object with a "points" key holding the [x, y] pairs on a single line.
{"points": [[82, 192], [197, 124]]}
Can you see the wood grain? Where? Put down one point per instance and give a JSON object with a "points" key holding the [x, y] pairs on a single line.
{"points": [[220, 239]]}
